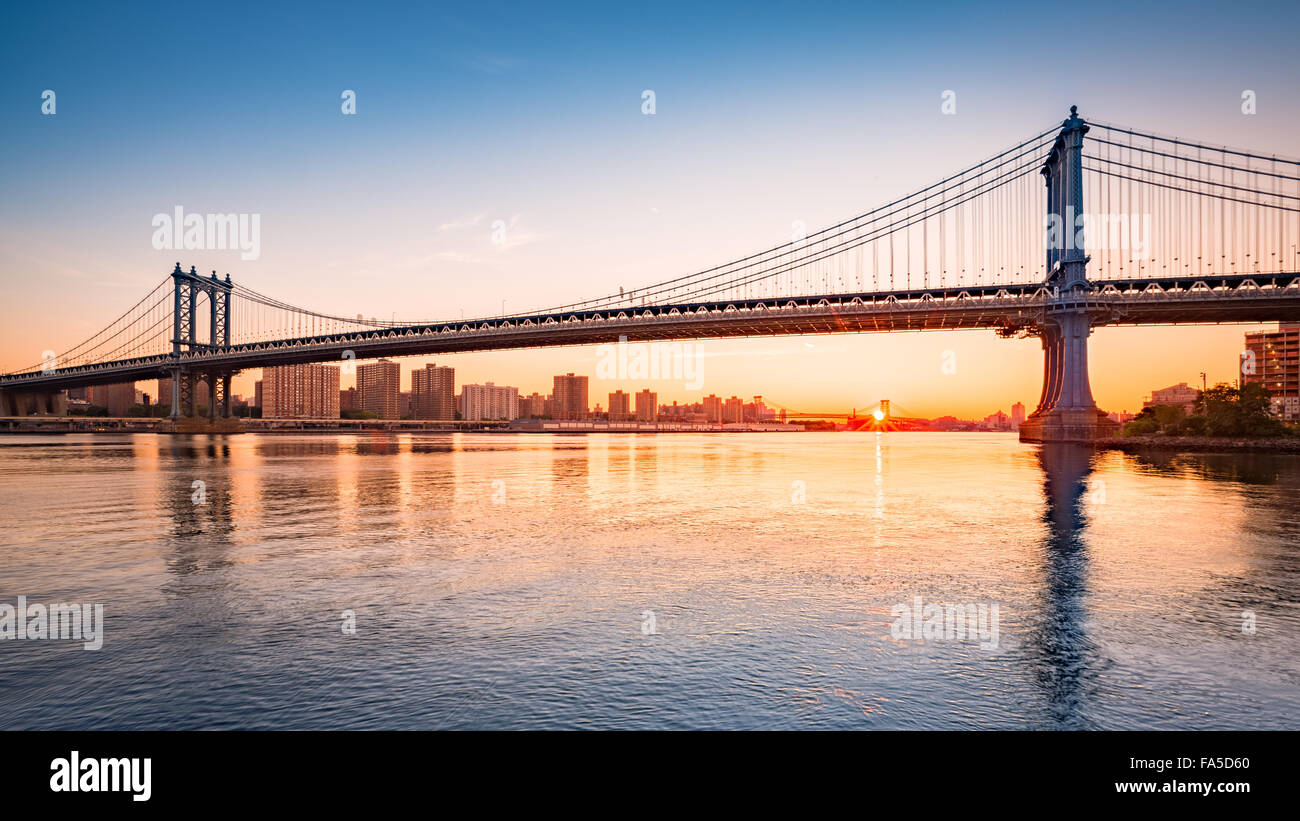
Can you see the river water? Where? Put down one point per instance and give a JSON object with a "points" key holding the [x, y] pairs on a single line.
{"points": [[765, 581]]}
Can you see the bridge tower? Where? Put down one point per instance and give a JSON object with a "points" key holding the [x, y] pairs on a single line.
{"points": [[186, 288], [1066, 411]]}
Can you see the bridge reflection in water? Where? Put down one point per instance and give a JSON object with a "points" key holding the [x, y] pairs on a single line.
{"points": [[1059, 642]]}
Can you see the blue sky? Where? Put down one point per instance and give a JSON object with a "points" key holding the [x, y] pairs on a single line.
{"points": [[532, 115]]}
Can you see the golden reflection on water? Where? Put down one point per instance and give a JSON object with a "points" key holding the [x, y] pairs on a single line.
{"points": [[771, 561]]}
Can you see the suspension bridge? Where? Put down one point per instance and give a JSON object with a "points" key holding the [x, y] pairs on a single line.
{"points": [[1176, 232]]}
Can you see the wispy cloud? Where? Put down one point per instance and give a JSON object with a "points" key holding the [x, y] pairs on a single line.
{"points": [[494, 64], [469, 239], [462, 223]]}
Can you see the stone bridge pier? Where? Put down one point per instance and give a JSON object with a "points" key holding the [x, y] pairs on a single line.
{"points": [[1066, 411]]}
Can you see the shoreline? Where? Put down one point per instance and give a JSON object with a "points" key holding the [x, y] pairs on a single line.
{"points": [[1202, 444]]}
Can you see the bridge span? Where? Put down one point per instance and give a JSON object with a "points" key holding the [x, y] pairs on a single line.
{"points": [[1182, 233]]}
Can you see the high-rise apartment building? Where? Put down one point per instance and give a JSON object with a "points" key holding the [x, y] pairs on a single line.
{"points": [[712, 408], [734, 410], [117, 398], [489, 402], [570, 393], [433, 392], [1272, 359], [306, 391], [1017, 415], [162, 391], [378, 388], [647, 405], [618, 407]]}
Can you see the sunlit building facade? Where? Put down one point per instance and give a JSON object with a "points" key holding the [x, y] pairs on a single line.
{"points": [[433, 392], [489, 402], [1272, 359], [307, 391], [379, 389], [570, 394]]}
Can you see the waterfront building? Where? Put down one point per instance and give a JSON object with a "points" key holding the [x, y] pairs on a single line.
{"points": [[619, 407], [647, 405], [433, 392], [733, 410], [378, 388], [489, 402], [304, 391], [570, 394], [117, 398], [712, 408], [1273, 360]]}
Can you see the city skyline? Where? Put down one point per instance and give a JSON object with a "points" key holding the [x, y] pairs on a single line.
{"points": [[491, 401]]}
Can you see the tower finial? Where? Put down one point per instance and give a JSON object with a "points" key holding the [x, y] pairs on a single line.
{"points": [[1074, 111]]}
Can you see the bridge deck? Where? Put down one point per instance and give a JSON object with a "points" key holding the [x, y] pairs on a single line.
{"points": [[1236, 299]]}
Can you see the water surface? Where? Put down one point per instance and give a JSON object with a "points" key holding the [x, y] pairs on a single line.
{"points": [[653, 581]]}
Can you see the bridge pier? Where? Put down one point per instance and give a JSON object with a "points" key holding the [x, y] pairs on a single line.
{"points": [[1066, 411], [33, 403], [187, 398]]}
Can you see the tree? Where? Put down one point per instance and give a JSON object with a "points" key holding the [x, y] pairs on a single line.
{"points": [[1232, 411]]}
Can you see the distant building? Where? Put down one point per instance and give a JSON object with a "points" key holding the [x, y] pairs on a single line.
{"points": [[257, 394], [117, 398], [530, 406], [1120, 416], [378, 388], [712, 408], [619, 407], [996, 421], [306, 391], [489, 402], [433, 392], [757, 411], [347, 400], [570, 396], [647, 405], [1272, 359], [733, 410], [1179, 394], [1017, 415]]}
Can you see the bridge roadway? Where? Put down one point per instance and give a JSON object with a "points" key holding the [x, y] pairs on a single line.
{"points": [[1007, 308]]}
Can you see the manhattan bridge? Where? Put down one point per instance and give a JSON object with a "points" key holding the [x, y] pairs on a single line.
{"points": [[1081, 225]]}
